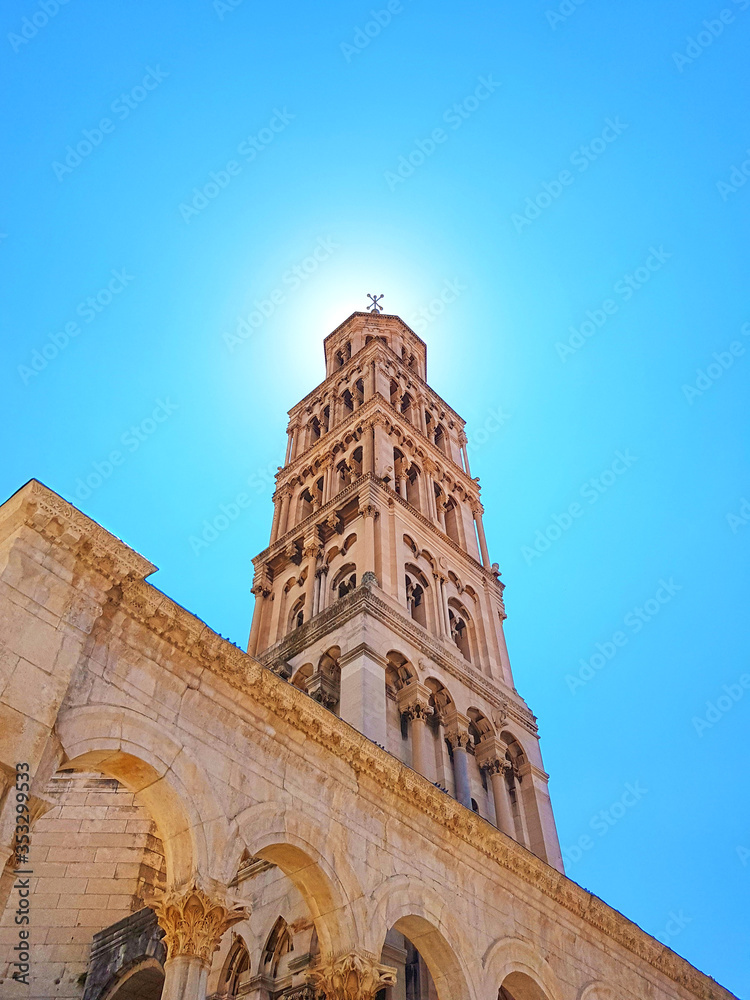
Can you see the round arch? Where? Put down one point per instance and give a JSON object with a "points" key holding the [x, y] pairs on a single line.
{"points": [[597, 991], [301, 849], [167, 781], [520, 968], [414, 908], [143, 981]]}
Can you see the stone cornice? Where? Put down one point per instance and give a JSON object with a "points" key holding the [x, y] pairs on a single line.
{"points": [[364, 600], [261, 686], [37, 507], [371, 316]]}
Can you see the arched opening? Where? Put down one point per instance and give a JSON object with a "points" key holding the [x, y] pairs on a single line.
{"points": [[144, 982], [416, 585], [451, 521], [519, 986], [412, 487], [235, 970], [279, 944], [305, 504], [345, 580], [297, 615], [355, 462], [413, 978], [406, 405], [315, 430], [302, 675], [439, 438], [459, 626], [514, 783], [359, 391]]}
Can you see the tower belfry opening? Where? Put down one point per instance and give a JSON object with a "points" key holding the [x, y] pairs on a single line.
{"points": [[378, 552]]}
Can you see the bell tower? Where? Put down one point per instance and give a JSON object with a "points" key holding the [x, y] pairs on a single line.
{"points": [[376, 594]]}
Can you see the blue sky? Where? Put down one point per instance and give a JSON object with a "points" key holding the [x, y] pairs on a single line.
{"points": [[572, 176]]}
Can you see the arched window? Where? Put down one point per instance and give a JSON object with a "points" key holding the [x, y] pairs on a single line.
{"points": [[278, 945], [346, 396], [459, 632], [297, 616], [305, 504], [415, 595], [356, 462], [412, 487], [406, 404], [314, 429], [235, 966], [451, 521], [345, 580], [439, 438], [359, 391]]}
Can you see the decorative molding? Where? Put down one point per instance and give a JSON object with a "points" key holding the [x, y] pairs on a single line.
{"points": [[62, 524], [193, 922]]}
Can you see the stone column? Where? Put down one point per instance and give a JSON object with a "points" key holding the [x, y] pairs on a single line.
{"points": [[414, 702], [457, 734], [356, 976], [290, 439], [440, 623], [382, 447], [193, 925], [368, 449], [482, 538], [286, 497], [465, 453], [312, 551], [369, 512], [491, 757]]}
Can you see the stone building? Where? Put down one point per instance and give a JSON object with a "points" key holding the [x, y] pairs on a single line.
{"points": [[354, 809]]}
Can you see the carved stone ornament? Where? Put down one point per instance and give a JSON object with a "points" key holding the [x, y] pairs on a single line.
{"points": [[356, 976], [193, 923]]}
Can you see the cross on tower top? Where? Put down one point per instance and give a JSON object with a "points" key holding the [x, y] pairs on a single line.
{"points": [[375, 300]]}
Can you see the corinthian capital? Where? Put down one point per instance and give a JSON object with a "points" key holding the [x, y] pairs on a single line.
{"points": [[193, 922], [356, 976]]}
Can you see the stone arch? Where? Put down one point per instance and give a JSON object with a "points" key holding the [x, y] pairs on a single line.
{"points": [[144, 980], [301, 850], [518, 966], [167, 781], [413, 907], [597, 991]]}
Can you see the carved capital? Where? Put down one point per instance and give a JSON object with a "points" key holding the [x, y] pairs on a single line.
{"points": [[497, 765], [193, 922], [414, 701], [356, 976], [369, 510]]}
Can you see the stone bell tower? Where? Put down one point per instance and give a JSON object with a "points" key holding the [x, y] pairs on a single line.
{"points": [[376, 594]]}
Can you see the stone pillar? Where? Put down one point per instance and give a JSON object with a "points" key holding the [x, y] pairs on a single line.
{"points": [[193, 925], [356, 976], [289, 440], [490, 754], [286, 497], [414, 702], [457, 734], [369, 512], [440, 622], [368, 449], [465, 453], [382, 447], [362, 702], [312, 551], [482, 538]]}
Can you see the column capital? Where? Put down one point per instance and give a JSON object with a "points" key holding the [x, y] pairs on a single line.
{"points": [[456, 729], [356, 976], [194, 922], [414, 701], [490, 751]]}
